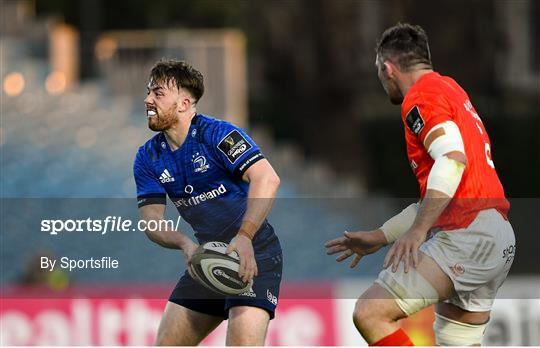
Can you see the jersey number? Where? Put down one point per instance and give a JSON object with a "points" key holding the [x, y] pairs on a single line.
{"points": [[487, 148], [488, 155]]}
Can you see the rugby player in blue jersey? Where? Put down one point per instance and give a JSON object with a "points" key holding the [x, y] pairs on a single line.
{"points": [[222, 185]]}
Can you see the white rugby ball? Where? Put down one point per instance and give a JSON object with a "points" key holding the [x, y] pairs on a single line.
{"points": [[218, 271]]}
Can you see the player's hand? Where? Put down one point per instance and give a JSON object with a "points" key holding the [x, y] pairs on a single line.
{"points": [[243, 246], [188, 248], [406, 248], [359, 243]]}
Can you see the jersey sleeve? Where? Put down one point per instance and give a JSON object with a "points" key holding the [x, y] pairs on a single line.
{"points": [[426, 111], [149, 189], [235, 149]]}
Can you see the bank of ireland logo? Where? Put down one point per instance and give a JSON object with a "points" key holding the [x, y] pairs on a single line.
{"points": [[199, 198], [199, 163]]}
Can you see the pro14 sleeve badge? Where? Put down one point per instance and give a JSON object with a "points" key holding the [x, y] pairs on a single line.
{"points": [[234, 145], [414, 120]]}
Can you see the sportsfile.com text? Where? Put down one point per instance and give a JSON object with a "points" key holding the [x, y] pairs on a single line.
{"points": [[108, 224]]}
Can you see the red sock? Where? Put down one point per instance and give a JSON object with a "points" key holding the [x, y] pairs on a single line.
{"points": [[396, 338]]}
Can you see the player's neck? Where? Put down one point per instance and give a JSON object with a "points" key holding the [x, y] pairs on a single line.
{"points": [[410, 78], [176, 135]]}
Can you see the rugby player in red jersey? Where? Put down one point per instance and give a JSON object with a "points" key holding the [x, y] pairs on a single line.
{"points": [[454, 247]]}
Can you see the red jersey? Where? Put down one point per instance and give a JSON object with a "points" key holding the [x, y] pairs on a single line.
{"points": [[434, 99]]}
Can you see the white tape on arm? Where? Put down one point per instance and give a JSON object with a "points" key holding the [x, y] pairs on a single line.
{"points": [[399, 224], [445, 175], [450, 141]]}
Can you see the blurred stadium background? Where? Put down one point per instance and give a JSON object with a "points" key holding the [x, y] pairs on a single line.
{"points": [[300, 76]]}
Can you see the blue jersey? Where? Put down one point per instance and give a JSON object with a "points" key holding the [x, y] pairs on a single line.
{"points": [[203, 178]]}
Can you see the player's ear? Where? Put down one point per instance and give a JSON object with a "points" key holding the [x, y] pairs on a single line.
{"points": [[389, 68], [184, 102]]}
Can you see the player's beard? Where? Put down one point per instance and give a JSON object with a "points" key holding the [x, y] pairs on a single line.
{"points": [[163, 120], [393, 91], [390, 87]]}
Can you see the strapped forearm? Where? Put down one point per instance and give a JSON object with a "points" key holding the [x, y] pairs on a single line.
{"points": [[396, 226]]}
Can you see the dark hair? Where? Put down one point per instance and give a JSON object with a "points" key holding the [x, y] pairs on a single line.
{"points": [[181, 74], [406, 44]]}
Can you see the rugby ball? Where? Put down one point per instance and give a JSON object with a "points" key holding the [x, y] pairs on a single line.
{"points": [[218, 271]]}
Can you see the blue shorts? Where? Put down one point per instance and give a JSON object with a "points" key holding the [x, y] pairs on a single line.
{"points": [[264, 293]]}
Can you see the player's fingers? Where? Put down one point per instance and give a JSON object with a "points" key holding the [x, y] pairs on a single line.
{"points": [[348, 236], [406, 260], [336, 249], [355, 261], [250, 271], [242, 267], [249, 268], [245, 277], [230, 248], [334, 242], [253, 269], [397, 259], [351, 235], [190, 271], [189, 264], [389, 256], [346, 254], [415, 257], [330, 243], [252, 266]]}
